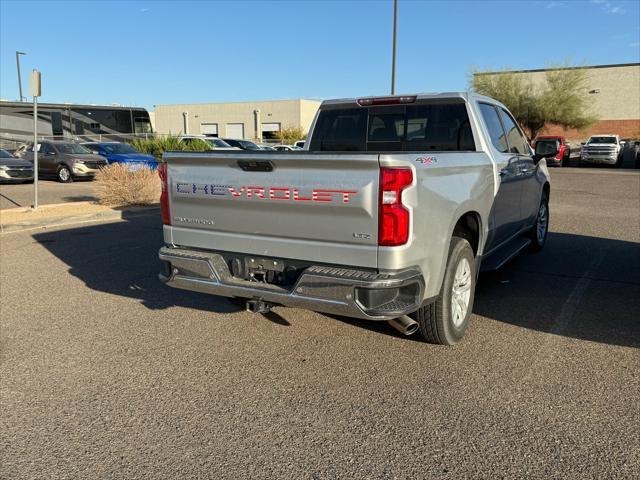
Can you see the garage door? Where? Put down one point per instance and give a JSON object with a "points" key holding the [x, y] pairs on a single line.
{"points": [[210, 129], [270, 127], [235, 130]]}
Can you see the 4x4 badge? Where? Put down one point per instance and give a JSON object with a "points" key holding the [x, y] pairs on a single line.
{"points": [[427, 160]]}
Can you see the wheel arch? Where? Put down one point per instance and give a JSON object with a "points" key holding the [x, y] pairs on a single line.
{"points": [[469, 226]]}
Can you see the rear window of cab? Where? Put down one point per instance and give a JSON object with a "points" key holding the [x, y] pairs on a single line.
{"points": [[438, 126]]}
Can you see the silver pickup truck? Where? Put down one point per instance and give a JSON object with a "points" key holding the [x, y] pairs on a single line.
{"points": [[389, 215]]}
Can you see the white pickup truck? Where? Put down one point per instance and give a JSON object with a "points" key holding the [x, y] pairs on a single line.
{"points": [[602, 149], [389, 215]]}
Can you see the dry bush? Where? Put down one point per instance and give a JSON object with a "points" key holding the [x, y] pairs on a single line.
{"points": [[118, 186]]}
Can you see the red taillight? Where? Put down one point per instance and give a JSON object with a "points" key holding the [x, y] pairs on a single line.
{"points": [[164, 194], [561, 152], [393, 218], [365, 102]]}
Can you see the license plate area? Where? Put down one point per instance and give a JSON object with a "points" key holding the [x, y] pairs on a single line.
{"points": [[272, 271]]}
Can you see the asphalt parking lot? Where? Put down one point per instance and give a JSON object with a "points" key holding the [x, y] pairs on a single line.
{"points": [[49, 192], [106, 373]]}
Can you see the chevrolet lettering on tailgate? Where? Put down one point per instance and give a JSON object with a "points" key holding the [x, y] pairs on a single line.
{"points": [[264, 193]]}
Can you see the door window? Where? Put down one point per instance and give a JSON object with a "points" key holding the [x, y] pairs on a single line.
{"points": [[517, 143], [46, 149], [496, 133]]}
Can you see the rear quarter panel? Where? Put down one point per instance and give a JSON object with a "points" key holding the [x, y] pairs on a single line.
{"points": [[446, 186]]}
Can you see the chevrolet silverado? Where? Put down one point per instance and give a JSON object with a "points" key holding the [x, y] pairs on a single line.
{"points": [[388, 215]]}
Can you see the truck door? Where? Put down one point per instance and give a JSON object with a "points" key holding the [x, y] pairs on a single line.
{"points": [[527, 180], [505, 219]]}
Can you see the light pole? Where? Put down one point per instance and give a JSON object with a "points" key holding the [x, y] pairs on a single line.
{"points": [[19, 77], [393, 61], [35, 89]]}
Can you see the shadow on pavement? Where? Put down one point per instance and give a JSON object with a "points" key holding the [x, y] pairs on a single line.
{"points": [[80, 198], [10, 200], [580, 287], [121, 258]]}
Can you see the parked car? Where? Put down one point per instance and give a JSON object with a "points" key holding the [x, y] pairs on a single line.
{"points": [[286, 148], [300, 143], [242, 144], [602, 149], [566, 150], [267, 147], [14, 169], [372, 222], [64, 161], [117, 152], [215, 142]]}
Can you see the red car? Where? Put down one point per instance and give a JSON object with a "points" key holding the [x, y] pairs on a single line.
{"points": [[565, 150]]}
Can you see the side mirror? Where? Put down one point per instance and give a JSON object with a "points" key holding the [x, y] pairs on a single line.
{"points": [[545, 149]]}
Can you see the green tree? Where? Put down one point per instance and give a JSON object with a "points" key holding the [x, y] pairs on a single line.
{"points": [[289, 135], [561, 98]]}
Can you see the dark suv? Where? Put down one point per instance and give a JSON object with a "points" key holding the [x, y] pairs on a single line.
{"points": [[65, 161]]}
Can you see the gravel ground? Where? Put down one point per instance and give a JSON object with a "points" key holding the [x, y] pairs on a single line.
{"points": [[106, 373]]}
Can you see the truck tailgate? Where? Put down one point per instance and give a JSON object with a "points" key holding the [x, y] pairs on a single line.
{"points": [[312, 206]]}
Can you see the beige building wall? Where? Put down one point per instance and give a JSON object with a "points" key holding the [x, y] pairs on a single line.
{"points": [[286, 113], [613, 92], [618, 88]]}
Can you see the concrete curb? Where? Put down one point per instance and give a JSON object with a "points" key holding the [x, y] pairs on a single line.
{"points": [[104, 216]]}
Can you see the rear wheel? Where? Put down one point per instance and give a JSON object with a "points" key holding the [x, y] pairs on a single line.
{"points": [[446, 320], [64, 174], [538, 233]]}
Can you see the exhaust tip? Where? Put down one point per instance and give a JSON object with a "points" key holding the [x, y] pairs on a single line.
{"points": [[412, 329], [404, 324]]}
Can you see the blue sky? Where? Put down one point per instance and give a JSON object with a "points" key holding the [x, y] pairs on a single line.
{"points": [[147, 53]]}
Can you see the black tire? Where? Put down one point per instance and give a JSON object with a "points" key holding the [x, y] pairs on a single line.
{"points": [[63, 175], [538, 241], [436, 320]]}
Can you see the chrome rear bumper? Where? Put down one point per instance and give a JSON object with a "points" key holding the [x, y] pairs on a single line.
{"points": [[341, 291]]}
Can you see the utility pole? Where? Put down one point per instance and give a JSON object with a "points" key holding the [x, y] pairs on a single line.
{"points": [[19, 77], [393, 61]]}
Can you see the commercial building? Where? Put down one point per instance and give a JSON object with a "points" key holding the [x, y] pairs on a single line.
{"points": [[613, 92], [253, 120]]}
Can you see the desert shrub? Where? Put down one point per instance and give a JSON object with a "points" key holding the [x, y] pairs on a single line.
{"points": [[156, 146], [119, 186], [289, 135]]}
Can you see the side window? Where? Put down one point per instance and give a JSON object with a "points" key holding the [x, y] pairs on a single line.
{"points": [[46, 149], [494, 127], [517, 143]]}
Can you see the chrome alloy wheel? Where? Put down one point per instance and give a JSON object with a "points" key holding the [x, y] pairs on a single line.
{"points": [[461, 292], [64, 174], [543, 223]]}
